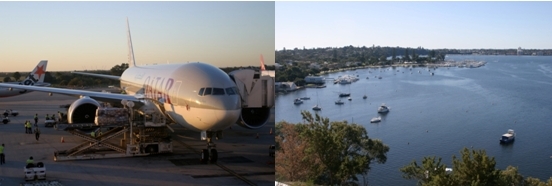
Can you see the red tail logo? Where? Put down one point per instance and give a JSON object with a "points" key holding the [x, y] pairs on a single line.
{"points": [[262, 64]]}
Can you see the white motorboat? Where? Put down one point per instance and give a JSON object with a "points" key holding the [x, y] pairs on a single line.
{"points": [[509, 137], [339, 102], [298, 101], [375, 120], [383, 109]]}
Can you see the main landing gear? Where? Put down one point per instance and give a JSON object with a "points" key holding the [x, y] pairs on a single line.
{"points": [[210, 154]]}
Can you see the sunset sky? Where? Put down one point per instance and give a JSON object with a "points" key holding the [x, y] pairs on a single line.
{"points": [[93, 35]]}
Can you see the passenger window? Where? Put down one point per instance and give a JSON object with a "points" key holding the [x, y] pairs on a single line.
{"points": [[207, 91], [218, 91], [201, 91], [230, 91]]}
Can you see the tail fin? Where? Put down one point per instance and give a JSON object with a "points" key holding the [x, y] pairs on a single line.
{"points": [[131, 60], [38, 74], [262, 63]]}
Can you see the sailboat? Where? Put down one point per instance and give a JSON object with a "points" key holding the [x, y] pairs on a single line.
{"points": [[306, 97], [316, 107]]}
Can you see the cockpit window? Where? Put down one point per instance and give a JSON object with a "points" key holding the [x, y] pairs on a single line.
{"points": [[201, 91], [218, 91], [230, 91], [207, 91]]}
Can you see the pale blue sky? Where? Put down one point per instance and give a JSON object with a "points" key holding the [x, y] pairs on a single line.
{"points": [[93, 35], [431, 25]]}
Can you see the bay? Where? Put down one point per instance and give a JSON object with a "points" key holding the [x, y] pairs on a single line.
{"points": [[439, 115]]}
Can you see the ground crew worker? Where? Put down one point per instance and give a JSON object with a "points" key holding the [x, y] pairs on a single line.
{"points": [[2, 157], [30, 126], [30, 160], [53, 117], [60, 115], [37, 133], [100, 132], [36, 118], [47, 117], [26, 127], [93, 134]]}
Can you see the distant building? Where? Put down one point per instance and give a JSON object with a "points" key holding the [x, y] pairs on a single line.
{"points": [[315, 80], [285, 86], [314, 66], [519, 51]]}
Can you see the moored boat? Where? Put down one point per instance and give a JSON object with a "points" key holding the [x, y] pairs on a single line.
{"points": [[509, 137], [375, 120], [297, 101], [383, 109], [316, 108]]}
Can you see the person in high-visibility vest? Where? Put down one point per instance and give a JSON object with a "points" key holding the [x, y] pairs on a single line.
{"points": [[47, 117], [2, 157], [30, 160], [25, 125], [93, 134]]}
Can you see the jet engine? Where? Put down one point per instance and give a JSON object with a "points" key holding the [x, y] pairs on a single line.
{"points": [[82, 110], [254, 118]]}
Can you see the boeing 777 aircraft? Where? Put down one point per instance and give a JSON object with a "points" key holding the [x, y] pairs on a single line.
{"points": [[35, 78], [198, 96]]}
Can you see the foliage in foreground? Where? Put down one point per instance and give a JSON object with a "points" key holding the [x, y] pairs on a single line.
{"points": [[324, 152], [473, 168]]}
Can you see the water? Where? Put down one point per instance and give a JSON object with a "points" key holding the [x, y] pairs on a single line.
{"points": [[439, 115]]}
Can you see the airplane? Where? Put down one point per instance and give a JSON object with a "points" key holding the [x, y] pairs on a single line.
{"points": [[35, 78], [198, 96]]}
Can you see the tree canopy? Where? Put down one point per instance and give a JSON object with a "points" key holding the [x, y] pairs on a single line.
{"points": [[332, 153], [474, 167]]}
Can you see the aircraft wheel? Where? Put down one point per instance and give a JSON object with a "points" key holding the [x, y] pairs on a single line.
{"points": [[204, 156], [214, 155]]}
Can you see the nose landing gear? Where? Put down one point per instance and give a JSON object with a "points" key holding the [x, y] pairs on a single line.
{"points": [[210, 154]]}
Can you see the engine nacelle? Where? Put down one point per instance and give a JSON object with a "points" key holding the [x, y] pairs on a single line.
{"points": [[254, 118], [83, 110]]}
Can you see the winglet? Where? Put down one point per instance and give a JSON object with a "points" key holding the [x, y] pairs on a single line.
{"points": [[262, 64], [131, 60], [38, 73]]}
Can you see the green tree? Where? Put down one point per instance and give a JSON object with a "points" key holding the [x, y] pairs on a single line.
{"points": [[394, 55], [16, 76], [344, 150], [7, 79], [406, 55], [118, 70], [472, 168]]}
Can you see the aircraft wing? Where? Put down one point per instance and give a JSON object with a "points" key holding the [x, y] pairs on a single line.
{"points": [[98, 75], [100, 96]]}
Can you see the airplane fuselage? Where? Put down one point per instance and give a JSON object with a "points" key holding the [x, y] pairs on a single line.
{"points": [[198, 96]]}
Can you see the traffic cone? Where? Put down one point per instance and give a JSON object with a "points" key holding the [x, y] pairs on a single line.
{"points": [[270, 131], [257, 136], [62, 141]]}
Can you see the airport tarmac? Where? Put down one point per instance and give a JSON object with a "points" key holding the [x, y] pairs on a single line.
{"points": [[243, 159]]}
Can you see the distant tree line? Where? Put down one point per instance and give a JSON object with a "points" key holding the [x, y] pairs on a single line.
{"points": [[367, 55]]}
